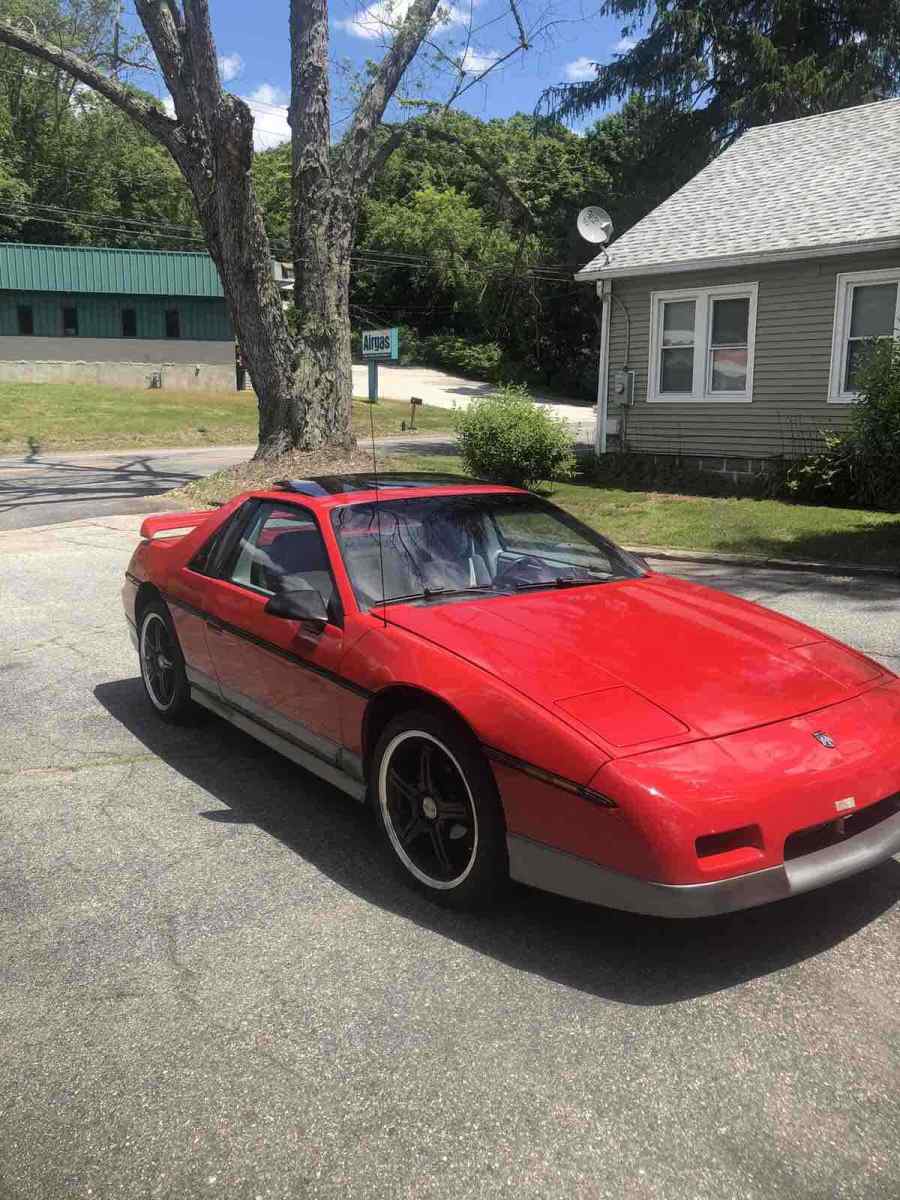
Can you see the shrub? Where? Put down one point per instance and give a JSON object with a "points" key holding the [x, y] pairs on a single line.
{"points": [[484, 360], [861, 466], [509, 439]]}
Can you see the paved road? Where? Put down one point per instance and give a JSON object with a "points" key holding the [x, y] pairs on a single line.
{"points": [[213, 986], [47, 488]]}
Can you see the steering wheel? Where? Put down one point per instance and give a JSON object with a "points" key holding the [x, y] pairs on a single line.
{"points": [[527, 569]]}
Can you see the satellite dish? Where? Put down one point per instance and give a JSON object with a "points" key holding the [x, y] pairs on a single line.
{"points": [[595, 225]]}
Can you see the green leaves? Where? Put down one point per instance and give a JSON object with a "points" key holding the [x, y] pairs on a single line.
{"points": [[510, 439], [746, 64]]}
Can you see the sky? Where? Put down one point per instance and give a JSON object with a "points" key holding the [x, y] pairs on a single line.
{"points": [[567, 35]]}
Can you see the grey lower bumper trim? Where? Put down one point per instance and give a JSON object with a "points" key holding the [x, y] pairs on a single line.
{"points": [[566, 874], [858, 853]]}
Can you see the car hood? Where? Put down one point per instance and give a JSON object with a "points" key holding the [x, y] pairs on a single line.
{"points": [[646, 661]]}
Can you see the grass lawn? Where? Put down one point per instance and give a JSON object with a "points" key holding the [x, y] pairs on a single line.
{"points": [[50, 417], [767, 528]]}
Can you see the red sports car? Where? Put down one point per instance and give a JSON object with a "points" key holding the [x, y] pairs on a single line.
{"points": [[517, 697]]}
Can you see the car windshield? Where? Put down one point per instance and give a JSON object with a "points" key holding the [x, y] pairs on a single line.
{"points": [[436, 548]]}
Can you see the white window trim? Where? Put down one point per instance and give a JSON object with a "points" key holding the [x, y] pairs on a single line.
{"points": [[702, 394], [846, 282]]}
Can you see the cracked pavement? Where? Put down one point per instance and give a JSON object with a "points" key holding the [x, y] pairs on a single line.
{"points": [[212, 984]]}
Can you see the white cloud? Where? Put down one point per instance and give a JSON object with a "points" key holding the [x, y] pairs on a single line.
{"points": [[380, 19], [624, 44], [581, 69], [268, 104], [270, 94], [230, 66], [476, 61]]}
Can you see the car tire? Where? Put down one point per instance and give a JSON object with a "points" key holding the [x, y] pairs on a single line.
{"points": [[437, 806], [162, 665]]}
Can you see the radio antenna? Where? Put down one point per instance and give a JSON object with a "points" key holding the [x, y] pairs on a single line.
{"points": [[377, 509]]}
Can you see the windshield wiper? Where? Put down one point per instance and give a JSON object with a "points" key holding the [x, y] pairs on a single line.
{"points": [[560, 582], [435, 594]]}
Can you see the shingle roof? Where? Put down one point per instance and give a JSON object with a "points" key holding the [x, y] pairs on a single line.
{"points": [[779, 191]]}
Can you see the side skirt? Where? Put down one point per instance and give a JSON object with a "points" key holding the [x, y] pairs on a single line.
{"points": [[276, 741]]}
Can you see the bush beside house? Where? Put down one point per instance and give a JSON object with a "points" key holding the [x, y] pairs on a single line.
{"points": [[862, 466], [509, 439]]}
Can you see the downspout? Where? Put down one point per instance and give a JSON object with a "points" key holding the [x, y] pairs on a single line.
{"points": [[604, 293]]}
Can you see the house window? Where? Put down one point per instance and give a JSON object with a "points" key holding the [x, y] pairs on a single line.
{"points": [[701, 344], [26, 320], [129, 322], [173, 323], [867, 308], [70, 321]]}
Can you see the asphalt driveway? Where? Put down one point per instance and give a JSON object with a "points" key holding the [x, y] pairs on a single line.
{"points": [[44, 489], [212, 985]]}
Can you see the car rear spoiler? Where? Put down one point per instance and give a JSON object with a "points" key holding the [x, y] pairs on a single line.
{"points": [[172, 524]]}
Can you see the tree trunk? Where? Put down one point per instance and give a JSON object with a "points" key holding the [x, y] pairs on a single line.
{"points": [[323, 218], [237, 241], [322, 366]]}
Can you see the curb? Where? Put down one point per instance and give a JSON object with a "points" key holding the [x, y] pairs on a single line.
{"points": [[776, 564]]}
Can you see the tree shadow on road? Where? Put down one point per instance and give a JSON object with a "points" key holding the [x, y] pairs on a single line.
{"points": [[618, 956]]}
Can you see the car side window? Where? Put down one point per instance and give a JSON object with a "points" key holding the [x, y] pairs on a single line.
{"points": [[209, 557], [281, 550]]}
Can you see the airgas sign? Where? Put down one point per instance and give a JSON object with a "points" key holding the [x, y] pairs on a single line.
{"points": [[381, 343]]}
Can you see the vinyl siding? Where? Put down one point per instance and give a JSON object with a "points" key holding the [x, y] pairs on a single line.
{"points": [[789, 408]]}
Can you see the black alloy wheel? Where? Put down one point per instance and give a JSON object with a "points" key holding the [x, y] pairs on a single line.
{"points": [[438, 806], [162, 664]]}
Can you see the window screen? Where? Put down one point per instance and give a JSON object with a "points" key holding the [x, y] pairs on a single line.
{"points": [[872, 317], [728, 345], [677, 364]]}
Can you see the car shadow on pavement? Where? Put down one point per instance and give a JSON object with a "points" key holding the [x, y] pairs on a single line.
{"points": [[619, 956]]}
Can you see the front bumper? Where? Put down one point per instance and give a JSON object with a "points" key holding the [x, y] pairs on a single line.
{"points": [[566, 874]]}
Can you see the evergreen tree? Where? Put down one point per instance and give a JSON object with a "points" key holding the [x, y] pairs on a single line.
{"points": [[744, 64]]}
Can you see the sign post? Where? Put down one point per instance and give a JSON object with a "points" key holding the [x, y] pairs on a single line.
{"points": [[379, 344]]}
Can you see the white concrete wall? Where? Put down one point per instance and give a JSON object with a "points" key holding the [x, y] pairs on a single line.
{"points": [[133, 350], [117, 362]]}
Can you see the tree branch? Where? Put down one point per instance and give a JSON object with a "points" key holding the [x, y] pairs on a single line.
{"points": [[165, 26], [156, 123], [357, 149]]}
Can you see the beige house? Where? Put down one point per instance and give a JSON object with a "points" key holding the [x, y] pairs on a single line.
{"points": [[735, 313]]}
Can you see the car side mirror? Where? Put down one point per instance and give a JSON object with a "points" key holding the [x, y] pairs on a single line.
{"points": [[305, 605]]}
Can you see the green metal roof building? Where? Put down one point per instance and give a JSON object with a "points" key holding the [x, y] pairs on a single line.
{"points": [[96, 292], [128, 318]]}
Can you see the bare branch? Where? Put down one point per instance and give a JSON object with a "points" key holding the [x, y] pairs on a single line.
{"points": [[517, 17], [165, 28], [146, 115], [492, 66], [358, 144]]}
